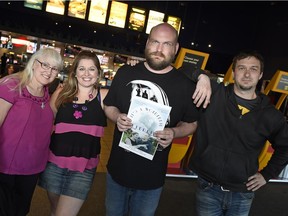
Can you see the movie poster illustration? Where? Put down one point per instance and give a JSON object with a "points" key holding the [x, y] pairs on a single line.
{"points": [[147, 117], [98, 11], [56, 6]]}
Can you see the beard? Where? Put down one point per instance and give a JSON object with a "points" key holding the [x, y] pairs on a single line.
{"points": [[245, 88], [242, 86], [158, 65]]}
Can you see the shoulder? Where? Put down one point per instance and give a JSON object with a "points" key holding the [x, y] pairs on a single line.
{"points": [[178, 77], [265, 101], [10, 79], [9, 90], [127, 72], [271, 112], [8, 84], [129, 68]]}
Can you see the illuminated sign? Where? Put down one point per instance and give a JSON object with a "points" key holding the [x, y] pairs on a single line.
{"points": [[98, 11], [56, 7], [77, 8], [34, 4], [191, 59], [31, 47], [137, 19], [154, 19], [118, 14], [175, 22], [279, 82]]}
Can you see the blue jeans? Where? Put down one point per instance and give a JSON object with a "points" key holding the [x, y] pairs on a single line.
{"points": [[213, 200], [63, 181], [122, 201]]}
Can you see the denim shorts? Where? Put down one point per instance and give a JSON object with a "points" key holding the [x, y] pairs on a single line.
{"points": [[63, 181]]}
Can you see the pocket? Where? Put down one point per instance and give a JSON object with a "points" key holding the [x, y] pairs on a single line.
{"points": [[203, 184], [247, 196]]}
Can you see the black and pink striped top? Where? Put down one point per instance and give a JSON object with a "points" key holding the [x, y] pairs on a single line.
{"points": [[75, 142]]}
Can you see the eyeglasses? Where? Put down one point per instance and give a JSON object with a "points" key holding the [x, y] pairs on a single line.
{"points": [[46, 66]]}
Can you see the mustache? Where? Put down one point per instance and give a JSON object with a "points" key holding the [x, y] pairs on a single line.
{"points": [[158, 54]]}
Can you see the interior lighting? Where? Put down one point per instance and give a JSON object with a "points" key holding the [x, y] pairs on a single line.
{"points": [[19, 41]]}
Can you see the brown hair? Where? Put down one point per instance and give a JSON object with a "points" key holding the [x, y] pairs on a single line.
{"points": [[246, 54], [70, 88]]}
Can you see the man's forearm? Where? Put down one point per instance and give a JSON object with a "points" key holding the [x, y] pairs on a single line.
{"points": [[184, 129], [112, 113]]}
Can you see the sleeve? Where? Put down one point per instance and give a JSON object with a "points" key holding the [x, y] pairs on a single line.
{"points": [[111, 97], [195, 73], [191, 73], [279, 142], [191, 111], [7, 92]]}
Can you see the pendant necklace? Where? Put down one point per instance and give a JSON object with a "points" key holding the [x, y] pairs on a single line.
{"points": [[34, 97], [78, 113]]}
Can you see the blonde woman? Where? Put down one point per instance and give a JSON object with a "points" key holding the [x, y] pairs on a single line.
{"points": [[26, 120]]}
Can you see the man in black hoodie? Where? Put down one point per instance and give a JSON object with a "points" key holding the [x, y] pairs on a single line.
{"points": [[231, 134]]}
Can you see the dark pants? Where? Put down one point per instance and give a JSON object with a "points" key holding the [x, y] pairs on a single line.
{"points": [[16, 193]]}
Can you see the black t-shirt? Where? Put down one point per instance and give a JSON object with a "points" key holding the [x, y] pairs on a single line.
{"points": [[246, 105], [173, 89]]}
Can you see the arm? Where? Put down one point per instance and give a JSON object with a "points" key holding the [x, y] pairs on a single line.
{"points": [[103, 93], [120, 119], [5, 107], [181, 130], [279, 158], [203, 90]]}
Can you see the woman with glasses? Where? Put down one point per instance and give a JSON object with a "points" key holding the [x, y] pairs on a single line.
{"points": [[26, 121], [75, 143]]}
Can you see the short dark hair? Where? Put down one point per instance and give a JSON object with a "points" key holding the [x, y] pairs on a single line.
{"points": [[246, 54]]}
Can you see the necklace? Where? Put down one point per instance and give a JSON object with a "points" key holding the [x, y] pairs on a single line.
{"points": [[36, 99], [78, 113]]}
